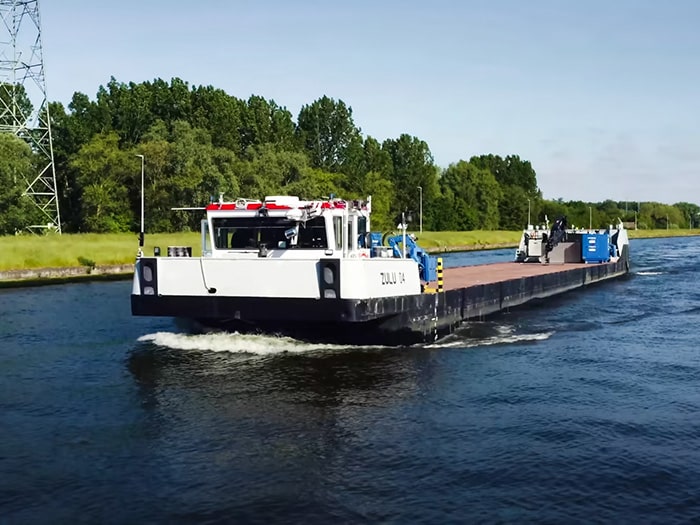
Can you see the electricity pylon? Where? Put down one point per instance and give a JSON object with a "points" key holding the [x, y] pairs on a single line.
{"points": [[24, 109]]}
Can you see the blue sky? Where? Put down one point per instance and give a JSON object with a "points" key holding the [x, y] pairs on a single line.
{"points": [[603, 97]]}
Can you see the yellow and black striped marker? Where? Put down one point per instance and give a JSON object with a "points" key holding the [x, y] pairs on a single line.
{"points": [[439, 274]]}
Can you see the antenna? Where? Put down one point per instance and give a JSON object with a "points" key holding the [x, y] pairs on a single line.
{"points": [[24, 110]]}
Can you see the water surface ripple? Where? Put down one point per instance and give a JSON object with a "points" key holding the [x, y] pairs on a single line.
{"points": [[581, 409]]}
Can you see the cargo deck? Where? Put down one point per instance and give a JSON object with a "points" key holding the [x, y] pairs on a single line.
{"points": [[465, 276]]}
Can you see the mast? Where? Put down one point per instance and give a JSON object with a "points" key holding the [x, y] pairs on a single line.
{"points": [[24, 109]]}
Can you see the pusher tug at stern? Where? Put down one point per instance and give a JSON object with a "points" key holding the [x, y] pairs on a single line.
{"points": [[315, 271]]}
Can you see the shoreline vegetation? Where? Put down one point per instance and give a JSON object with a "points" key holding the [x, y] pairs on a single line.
{"points": [[31, 260]]}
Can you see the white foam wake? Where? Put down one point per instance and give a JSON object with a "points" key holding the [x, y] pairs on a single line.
{"points": [[268, 345], [262, 345], [650, 273], [466, 342]]}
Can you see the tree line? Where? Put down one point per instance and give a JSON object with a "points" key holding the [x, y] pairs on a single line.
{"points": [[198, 142]]}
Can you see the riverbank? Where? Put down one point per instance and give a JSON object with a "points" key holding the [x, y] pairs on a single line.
{"points": [[43, 260], [46, 276]]}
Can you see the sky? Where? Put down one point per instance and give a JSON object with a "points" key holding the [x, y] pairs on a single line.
{"points": [[602, 97]]}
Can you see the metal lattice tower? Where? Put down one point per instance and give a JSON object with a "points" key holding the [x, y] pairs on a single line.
{"points": [[24, 110]]}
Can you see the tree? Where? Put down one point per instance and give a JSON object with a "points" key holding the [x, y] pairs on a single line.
{"points": [[606, 212], [16, 166], [362, 159], [326, 129], [376, 159], [168, 102], [158, 198], [67, 139], [510, 171], [552, 210], [103, 173], [475, 196], [15, 106], [662, 216], [518, 182], [264, 122], [412, 166], [513, 208], [690, 213], [197, 172], [313, 184], [221, 115], [130, 108], [381, 189], [268, 169]]}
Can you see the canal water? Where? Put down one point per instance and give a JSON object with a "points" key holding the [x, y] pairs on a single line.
{"points": [[582, 409]]}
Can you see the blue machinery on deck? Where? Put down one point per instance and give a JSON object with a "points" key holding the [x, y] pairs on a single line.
{"points": [[391, 245]]}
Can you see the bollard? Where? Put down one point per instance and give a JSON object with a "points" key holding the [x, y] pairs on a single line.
{"points": [[439, 273]]}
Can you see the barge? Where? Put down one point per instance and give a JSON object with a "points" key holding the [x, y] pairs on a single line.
{"points": [[315, 271]]}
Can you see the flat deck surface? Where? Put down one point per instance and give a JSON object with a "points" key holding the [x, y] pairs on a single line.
{"points": [[497, 272]]}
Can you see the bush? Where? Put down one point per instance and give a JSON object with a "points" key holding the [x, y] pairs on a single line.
{"points": [[89, 263]]}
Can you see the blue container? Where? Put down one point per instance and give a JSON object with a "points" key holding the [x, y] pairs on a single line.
{"points": [[375, 242], [428, 266], [595, 247]]}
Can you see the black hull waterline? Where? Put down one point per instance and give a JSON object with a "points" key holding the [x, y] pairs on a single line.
{"points": [[397, 320]]}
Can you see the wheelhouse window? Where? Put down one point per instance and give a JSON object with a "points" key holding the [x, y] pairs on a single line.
{"points": [[362, 237], [206, 244], [350, 236], [361, 225], [312, 234], [338, 232], [273, 232]]}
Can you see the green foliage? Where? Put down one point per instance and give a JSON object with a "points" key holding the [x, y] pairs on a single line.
{"points": [[510, 171], [219, 114], [15, 106], [199, 141], [268, 169], [313, 184], [552, 210], [327, 131], [513, 207], [412, 166], [651, 215], [382, 192], [690, 212], [519, 191], [102, 172], [88, 263], [16, 167], [197, 172], [473, 194], [264, 122]]}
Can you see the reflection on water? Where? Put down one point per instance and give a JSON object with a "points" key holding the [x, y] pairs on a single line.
{"points": [[241, 366]]}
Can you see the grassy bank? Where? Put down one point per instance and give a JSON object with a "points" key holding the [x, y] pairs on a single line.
{"points": [[472, 240], [71, 250], [652, 234]]}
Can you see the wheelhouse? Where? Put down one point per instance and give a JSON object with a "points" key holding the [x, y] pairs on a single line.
{"points": [[282, 224]]}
